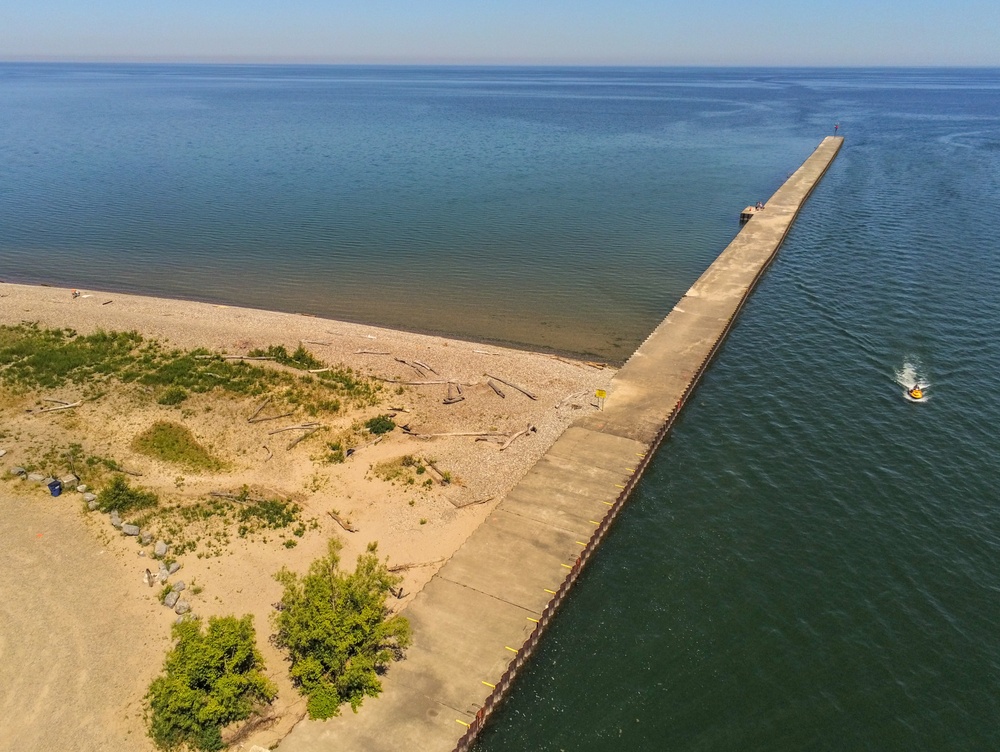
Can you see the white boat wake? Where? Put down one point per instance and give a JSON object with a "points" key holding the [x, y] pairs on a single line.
{"points": [[908, 377]]}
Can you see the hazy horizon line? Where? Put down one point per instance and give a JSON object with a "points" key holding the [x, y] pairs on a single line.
{"points": [[54, 60]]}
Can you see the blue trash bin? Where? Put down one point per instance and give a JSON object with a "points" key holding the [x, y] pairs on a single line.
{"points": [[55, 487]]}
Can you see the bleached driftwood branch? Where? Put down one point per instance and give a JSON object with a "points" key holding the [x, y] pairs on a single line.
{"points": [[512, 385]]}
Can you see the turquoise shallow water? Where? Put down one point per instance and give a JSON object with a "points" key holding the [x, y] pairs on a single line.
{"points": [[812, 561]]}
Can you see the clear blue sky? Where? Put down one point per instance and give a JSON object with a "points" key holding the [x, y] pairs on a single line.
{"points": [[574, 32]]}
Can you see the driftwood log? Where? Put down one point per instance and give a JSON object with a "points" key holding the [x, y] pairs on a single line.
{"points": [[412, 364], [472, 503], [342, 522], [493, 385], [432, 471], [415, 383], [271, 417], [512, 385], [306, 435], [529, 429], [232, 357], [302, 426], [454, 393], [260, 407], [238, 498], [410, 432], [415, 565], [66, 406]]}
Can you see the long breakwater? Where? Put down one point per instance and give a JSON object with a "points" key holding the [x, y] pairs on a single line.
{"points": [[480, 618]]}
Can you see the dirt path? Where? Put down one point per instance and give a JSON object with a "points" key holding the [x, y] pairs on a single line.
{"points": [[77, 645]]}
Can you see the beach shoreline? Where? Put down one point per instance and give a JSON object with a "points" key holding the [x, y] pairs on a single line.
{"points": [[506, 344], [422, 527]]}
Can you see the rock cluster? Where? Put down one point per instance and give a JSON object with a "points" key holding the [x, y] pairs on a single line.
{"points": [[173, 598]]}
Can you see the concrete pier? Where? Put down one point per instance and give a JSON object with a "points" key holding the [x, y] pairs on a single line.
{"points": [[478, 620]]}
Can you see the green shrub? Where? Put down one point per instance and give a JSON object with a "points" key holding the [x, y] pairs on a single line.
{"points": [[337, 454], [32, 357], [268, 513], [210, 680], [337, 630], [173, 395], [118, 494], [172, 442], [165, 591], [380, 424], [301, 358]]}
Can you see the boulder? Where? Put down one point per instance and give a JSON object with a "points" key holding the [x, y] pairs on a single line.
{"points": [[82, 488], [145, 538], [130, 529], [89, 497], [174, 567], [163, 574], [18, 471], [182, 607], [116, 521], [179, 586], [171, 599], [36, 477], [160, 549], [92, 505]]}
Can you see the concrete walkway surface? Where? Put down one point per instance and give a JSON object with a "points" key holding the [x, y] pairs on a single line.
{"points": [[478, 620]]}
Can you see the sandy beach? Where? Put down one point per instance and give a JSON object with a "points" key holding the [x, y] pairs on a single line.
{"points": [[82, 635]]}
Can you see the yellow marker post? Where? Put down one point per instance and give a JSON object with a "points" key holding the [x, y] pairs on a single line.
{"points": [[510, 648], [463, 723], [567, 566], [601, 396], [534, 620], [491, 686], [594, 522]]}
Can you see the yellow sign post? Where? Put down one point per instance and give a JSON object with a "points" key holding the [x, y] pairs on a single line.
{"points": [[601, 394]]}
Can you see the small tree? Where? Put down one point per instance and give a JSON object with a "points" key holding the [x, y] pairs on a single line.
{"points": [[337, 630], [209, 680]]}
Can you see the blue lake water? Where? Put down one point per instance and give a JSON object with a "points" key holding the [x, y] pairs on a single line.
{"points": [[812, 562]]}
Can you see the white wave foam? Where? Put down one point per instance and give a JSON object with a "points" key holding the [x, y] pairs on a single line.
{"points": [[909, 376]]}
